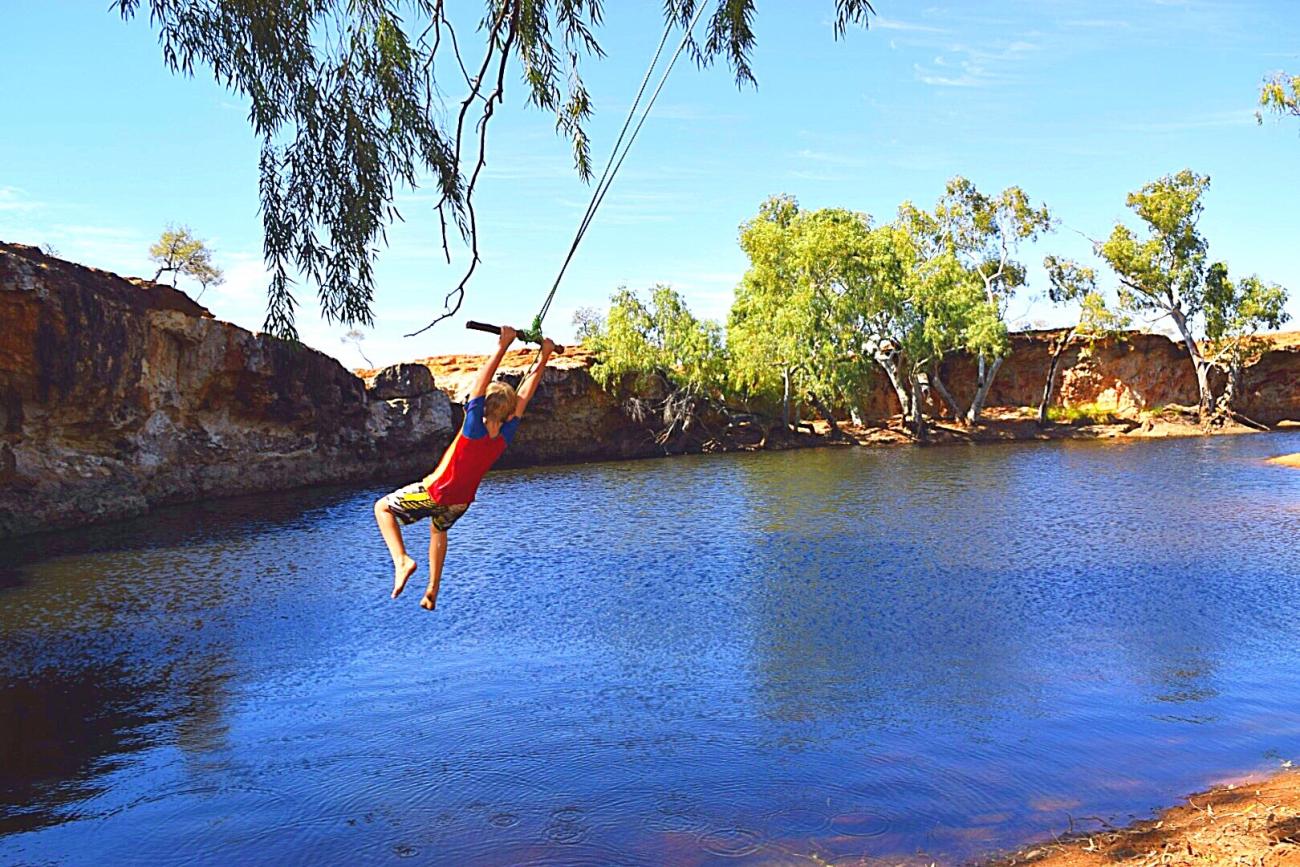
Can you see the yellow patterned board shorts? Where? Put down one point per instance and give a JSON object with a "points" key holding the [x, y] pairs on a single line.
{"points": [[411, 503]]}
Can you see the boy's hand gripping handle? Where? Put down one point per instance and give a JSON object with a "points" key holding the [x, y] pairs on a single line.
{"points": [[526, 336]]}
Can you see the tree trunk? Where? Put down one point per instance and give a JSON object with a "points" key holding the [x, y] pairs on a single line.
{"points": [[900, 389], [1223, 406], [785, 398], [918, 413], [1050, 385], [826, 414], [944, 393], [1233, 387], [1199, 363], [986, 374]]}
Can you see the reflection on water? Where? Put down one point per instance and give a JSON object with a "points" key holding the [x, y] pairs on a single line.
{"points": [[785, 658]]}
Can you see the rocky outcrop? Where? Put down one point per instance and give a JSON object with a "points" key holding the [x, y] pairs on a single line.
{"points": [[571, 418], [1127, 374], [118, 395]]}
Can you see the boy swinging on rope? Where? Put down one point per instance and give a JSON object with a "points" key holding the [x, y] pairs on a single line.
{"points": [[491, 418]]}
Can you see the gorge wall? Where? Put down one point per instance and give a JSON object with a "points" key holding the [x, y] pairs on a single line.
{"points": [[120, 395]]}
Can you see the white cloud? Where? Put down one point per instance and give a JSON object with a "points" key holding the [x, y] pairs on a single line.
{"points": [[1212, 120], [829, 158], [882, 23], [13, 199], [934, 79]]}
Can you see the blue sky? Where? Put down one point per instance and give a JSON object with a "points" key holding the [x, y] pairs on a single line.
{"points": [[1076, 101]]}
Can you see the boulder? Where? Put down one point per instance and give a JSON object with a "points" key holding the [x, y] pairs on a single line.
{"points": [[400, 380]]}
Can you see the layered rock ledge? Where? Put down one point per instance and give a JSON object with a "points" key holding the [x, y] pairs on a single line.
{"points": [[120, 395]]}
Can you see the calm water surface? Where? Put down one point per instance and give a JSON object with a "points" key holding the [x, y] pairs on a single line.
{"points": [[779, 658]]}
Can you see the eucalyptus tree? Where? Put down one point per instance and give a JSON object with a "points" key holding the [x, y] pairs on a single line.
{"points": [[985, 233], [1072, 283], [178, 252], [1163, 272], [925, 305], [350, 101], [791, 330], [1235, 313], [661, 358], [829, 296], [1280, 95]]}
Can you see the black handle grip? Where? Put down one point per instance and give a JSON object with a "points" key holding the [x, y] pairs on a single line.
{"points": [[496, 329]]}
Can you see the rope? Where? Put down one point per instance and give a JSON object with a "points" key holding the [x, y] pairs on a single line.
{"points": [[616, 159]]}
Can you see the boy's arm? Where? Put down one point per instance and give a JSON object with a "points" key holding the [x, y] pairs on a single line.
{"points": [[529, 386], [489, 368]]}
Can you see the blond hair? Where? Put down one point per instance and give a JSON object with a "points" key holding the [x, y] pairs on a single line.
{"points": [[500, 402]]}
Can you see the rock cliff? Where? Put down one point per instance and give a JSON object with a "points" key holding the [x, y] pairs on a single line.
{"points": [[119, 395], [571, 418]]}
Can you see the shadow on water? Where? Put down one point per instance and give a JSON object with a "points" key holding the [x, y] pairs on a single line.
{"points": [[225, 519], [65, 731]]}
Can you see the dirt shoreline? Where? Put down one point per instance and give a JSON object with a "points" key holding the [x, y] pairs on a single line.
{"points": [[1020, 424], [1249, 822]]}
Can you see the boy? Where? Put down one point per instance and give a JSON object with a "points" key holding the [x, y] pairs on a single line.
{"points": [[491, 418]]}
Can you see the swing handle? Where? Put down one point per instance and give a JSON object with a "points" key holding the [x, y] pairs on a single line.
{"points": [[526, 336]]}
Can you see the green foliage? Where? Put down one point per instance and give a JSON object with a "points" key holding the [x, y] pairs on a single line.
{"points": [[655, 344], [985, 232], [1165, 271], [177, 251], [934, 304], [829, 296], [1235, 313], [1084, 413], [1072, 283], [347, 99], [1280, 95], [794, 312]]}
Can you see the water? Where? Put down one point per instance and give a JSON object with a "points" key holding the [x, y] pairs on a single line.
{"points": [[777, 658]]}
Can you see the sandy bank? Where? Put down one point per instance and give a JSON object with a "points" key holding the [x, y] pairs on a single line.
{"points": [[1287, 460], [1253, 822], [1017, 424]]}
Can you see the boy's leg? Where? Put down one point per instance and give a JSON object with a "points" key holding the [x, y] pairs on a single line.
{"points": [[437, 554], [403, 565]]}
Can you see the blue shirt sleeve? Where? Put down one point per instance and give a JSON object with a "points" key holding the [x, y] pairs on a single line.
{"points": [[508, 429], [474, 428]]}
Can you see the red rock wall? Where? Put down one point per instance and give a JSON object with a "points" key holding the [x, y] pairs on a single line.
{"points": [[118, 395], [1126, 375], [1139, 371], [571, 418]]}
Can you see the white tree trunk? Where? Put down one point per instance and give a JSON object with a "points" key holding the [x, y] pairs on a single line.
{"points": [[890, 366], [918, 407], [1201, 366], [985, 382], [785, 398]]}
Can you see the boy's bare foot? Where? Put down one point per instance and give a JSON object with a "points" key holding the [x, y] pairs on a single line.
{"points": [[401, 572], [428, 602]]}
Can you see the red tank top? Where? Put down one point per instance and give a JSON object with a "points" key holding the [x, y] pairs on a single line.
{"points": [[470, 455]]}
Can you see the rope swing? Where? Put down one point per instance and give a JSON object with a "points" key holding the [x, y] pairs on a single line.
{"points": [[622, 146]]}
